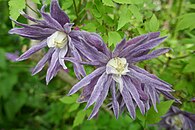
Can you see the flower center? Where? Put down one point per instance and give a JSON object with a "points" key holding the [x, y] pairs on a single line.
{"points": [[57, 39], [118, 66], [176, 121]]}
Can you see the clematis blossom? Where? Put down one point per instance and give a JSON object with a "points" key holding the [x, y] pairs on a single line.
{"points": [[54, 32], [116, 72], [176, 119]]}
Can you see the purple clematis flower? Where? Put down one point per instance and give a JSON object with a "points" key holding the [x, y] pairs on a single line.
{"points": [[176, 119], [55, 33], [130, 85]]}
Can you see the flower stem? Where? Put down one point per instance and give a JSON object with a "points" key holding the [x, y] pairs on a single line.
{"points": [[32, 9]]}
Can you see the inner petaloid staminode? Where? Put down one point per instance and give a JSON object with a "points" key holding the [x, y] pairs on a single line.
{"points": [[117, 66], [57, 39]]}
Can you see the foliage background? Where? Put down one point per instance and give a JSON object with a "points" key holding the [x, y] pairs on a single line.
{"points": [[26, 103]]}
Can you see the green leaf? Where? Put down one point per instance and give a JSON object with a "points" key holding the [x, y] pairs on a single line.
{"points": [[191, 66], [15, 6], [14, 104], [96, 12], [2, 59], [108, 3], [69, 100], [186, 21], [154, 24], [79, 118], [74, 107], [135, 11], [125, 17], [113, 38], [155, 117], [36, 1], [129, 1], [7, 83]]}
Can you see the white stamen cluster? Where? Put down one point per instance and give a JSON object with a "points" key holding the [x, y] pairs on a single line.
{"points": [[57, 39]]}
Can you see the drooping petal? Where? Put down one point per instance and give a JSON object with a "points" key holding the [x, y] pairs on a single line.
{"points": [[115, 104], [152, 55], [78, 68], [97, 90], [87, 90], [101, 97], [58, 14], [54, 60], [138, 85], [148, 80], [128, 102], [152, 95], [134, 93], [140, 70], [62, 54], [32, 50], [42, 62], [49, 21], [86, 80]]}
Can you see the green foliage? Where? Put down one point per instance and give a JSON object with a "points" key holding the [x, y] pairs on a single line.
{"points": [[36, 1], [186, 21], [79, 118], [113, 38], [153, 116], [154, 24], [15, 6]]}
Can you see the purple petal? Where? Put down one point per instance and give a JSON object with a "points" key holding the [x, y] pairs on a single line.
{"points": [[119, 48], [86, 80], [126, 51], [95, 40], [115, 104], [152, 55], [134, 93], [31, 18], [58, 14], [148, 45], [42, 62], [101, 97], [79, 69], [97, 90], [152, 94], [12, 56], [138, 85], [87, 90], [128, 101], [49, 21], [138, 38], [32, 50], [140, 70], [148, 80], [54, 60]]}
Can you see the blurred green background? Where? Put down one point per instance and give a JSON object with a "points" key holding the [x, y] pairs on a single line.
{"points": [[26, 103]]}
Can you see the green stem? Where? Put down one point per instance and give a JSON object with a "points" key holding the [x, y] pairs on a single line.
{"points": [[75, 8], [32, 9]]}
